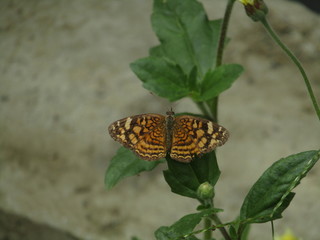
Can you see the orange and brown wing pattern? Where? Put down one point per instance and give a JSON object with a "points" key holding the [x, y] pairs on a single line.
{"points": [[145, 134], [194, 136]]}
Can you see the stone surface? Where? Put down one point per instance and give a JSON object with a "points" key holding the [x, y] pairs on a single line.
{"points": [[15, 227], [65, 77]]}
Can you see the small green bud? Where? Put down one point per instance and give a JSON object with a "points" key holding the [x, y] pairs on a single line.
{"points": [[205, 191], [255, 9]]}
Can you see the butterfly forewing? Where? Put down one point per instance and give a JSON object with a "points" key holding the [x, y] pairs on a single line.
{"points": [[195, 136], [145, 134]]}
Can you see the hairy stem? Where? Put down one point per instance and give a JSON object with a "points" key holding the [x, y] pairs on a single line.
{"points": [[222, 40]]}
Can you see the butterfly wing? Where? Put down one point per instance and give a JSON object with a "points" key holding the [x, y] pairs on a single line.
{"points": [[195, 136], [144, 134]]}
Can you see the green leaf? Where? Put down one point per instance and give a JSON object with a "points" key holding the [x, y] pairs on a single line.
{"points": [[177, 187], [161, 77], [157, 51], [272, 193], [124, 164], [181, 178], [187, 36], [245, 233], [183, 227], [218, 80], [206, 168], [233, 230], [192, 80], [185, 178]]}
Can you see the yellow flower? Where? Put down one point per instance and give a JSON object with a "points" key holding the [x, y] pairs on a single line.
{"points": [[247, 2], [255, 9], [288, 235]]}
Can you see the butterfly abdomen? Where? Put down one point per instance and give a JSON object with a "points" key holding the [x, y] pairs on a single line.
{"points": [[169, 132]]}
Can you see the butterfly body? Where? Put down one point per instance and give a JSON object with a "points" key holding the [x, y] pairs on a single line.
{"points": [[153, 136]]}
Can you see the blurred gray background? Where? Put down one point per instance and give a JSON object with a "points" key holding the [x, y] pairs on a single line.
{"points": [[65, 77]]}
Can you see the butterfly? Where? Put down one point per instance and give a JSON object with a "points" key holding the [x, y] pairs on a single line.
{"points": [[153, 136]]}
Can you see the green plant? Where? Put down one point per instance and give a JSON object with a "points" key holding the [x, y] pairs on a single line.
{"points": [[188, 63]]}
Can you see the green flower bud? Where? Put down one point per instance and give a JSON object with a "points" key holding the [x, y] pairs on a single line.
{"points": [[255, 9], [205, 191]]}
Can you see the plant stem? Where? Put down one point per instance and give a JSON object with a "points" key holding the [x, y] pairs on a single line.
{"points": [[218, 222], [222, 40], [272, 229], [296, 61], [207, 234], [223, 31], [204, 109], [223, 231], [213, 106]]}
